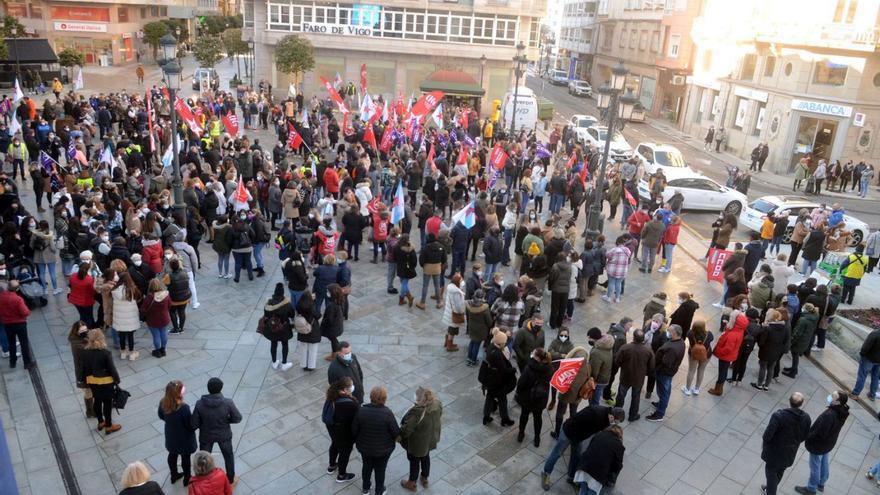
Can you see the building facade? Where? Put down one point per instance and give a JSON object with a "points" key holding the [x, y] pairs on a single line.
{"points": [[577, 32], [400, 43], [810, 85], [107, 33], [652, 38]]}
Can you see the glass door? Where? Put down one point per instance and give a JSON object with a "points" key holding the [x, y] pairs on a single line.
{"points": [[814, 136], [803, 141], [824, 140]]}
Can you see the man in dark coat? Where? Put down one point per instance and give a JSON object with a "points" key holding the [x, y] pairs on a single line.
{"points": [[346, 364], [492, 251], [668, 358], [821, 440], [212, 416], [618, 332], [869, 364], [634, 360], [754, 253], [784, 434]]}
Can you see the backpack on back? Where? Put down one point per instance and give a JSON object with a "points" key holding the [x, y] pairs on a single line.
{"points": [[533, 249], [699, 352]]}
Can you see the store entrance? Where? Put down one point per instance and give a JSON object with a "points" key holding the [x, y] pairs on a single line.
{"points": [[814, 136]]}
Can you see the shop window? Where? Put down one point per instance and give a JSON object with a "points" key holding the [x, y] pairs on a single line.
{"points": [[830, 73], [742, 108], [705, 96], [759, 119], [747, 72], [769, 66]]}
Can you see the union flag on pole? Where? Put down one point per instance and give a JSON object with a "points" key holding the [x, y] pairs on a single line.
{"points": [[629, 197], [565, 375], [385, 145], [230, 121], [571, 160], [426, 104], [497, 158], [241, 194], [294, 140], [334, 95], [188, 117], [370, 136]]}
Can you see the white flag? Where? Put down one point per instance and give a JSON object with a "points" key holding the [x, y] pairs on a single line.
{"points": [[438, 116], [168, 157], [385, 111], [78, 83], [107, 156], [14, 126], [291, 91], [18, 94], [367, 107], [305, 120]]}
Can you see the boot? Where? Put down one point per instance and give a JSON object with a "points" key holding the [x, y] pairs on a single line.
{"points": [[408, 485], [424, 481], [90, 407], [718, 389], [401, 301], [451, 347], [409, 299]]}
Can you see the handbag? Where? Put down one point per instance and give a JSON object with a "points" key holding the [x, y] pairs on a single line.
{"points": [[457, 318], [587, 389], [301, 325], [120, 398], [823, 322]]}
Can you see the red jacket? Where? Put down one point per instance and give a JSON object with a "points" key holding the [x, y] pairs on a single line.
{"points": [[82, 292], [12, 308], [326, 243], [636, 221], [331, 180], [670, 235], [214, 483], [380, 228], [155, 309], [727, 348], [151, 254]]}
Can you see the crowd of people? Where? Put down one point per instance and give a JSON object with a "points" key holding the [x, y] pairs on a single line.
{"points": [[130, 249]]}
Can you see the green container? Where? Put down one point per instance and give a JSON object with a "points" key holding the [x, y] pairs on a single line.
{"points": [[545, 109], [830, 266]]}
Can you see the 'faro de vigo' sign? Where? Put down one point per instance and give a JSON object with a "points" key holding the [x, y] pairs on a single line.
{"points": [[820, 107], [336, 29]]}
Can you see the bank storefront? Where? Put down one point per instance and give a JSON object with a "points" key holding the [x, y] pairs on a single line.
{"points": [[816, 127]]}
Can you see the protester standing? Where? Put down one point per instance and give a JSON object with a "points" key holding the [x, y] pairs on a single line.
{"points": [[668, 359], [821, 441], [782, 437], [375, 431], [419, 435], [338, 414], [180, 437], [99, 373], [213, 416]]}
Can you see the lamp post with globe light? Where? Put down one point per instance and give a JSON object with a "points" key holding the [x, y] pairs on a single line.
{"points": [[519, 71], [171, 69]]}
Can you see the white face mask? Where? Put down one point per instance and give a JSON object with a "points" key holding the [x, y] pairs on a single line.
{"points": [[501, 283], [351, 389], [829, 399], [105, 238], [138, 263], [479, 274], [680, 300], [2, 272], [563, 338], [168, 256], [743, 306]]}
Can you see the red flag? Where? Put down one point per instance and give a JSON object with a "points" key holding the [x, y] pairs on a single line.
{"points": [[230, 121], [565, 375], [347, 129], [426, 104], [400, 107], [583, 174], [714, 264], [241, 194], [150, 123], [370, 136], [187, 115], [430, 159], [294, 140], [385, 145], [497, 158], [571, 160], [363, 78], [629, 197], [464, 119], [334, 95]]}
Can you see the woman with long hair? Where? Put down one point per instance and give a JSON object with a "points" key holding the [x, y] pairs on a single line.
{"points": [[156, 310], [126, 314], [340, 409], [180, 437], [697, 359], [332, 322], [99, 373]]}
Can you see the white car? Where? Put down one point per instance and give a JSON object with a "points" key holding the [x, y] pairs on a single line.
{"points": [[580, 123], [754, 213], [558, 77], [700, 193], [580, 88], [620, 149], [668, 158]]}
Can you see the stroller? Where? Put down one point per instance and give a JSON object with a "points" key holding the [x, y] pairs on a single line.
{"points": [[30, 288]]}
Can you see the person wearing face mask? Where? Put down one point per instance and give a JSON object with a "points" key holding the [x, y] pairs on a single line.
{"points": [[528, 338], [345, 364], [532, 391], [558, 349], [821, 440], [801, 335], [668, 359], [727, 348], [497, 378], [338, 414], [78, 338], [601, 359], [242, 244], [180, 438], [753, 330], [419, 434]]}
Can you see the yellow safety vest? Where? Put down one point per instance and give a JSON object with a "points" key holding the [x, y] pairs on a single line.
{"points": [[856, 267]]}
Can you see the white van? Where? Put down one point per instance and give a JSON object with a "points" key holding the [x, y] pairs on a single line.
{"points": [[526, 109]]}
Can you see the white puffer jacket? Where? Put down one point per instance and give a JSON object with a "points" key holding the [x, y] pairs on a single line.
{"points": [[126, 317]]}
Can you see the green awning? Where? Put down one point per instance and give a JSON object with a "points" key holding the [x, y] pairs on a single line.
{"points": [[452, 88]]}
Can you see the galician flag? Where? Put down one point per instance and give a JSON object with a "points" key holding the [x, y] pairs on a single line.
{"points": [[368, 108], [167, 157], [18, 94], [107, 156], [467, 215], [438, 116], [78, 83], [14, 126], [397, 205]]}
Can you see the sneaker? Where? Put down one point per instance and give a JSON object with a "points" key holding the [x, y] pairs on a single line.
{"points": [[656, 418], [756, 386], [344, 478], [606, 298], [695, 391], [196, 305], [331, 468], [634, 418], [286, 366], [5, 354], [176, 331], [804, 490], [57, 291], [686, 391], [869, 475], [276, 364], [717, 305], [617, 300], [220, 275], [133, 355], [123, 355], [545, 481]]}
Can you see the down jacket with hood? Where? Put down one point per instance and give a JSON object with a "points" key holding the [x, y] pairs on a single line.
{"points": [[420, 428], [533, 387], [782, 437], [222, 238], [406, 260], [280, 307], [212, 416], [126, 315], [601, 359], [479, 321], [213, 483], [151, 253], [526, 340], [454, 302], [727, 348], [155, 309]]}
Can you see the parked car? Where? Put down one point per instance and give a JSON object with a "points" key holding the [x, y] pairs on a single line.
{"points": [[558, 77], [206, 73], [579, 88], [655, 155], [754, 213], [700, 193], [580, 123], [620, 149]]}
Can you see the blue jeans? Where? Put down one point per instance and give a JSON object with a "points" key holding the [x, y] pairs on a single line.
{"points": [[649, 255], [556, 202], [597, 394], [223, 264], [775, 243], [664, 388], [667, 254], [390, 271], [258, 254], [562, 442], [458, 259], [243, 261], [863, 188], [627, 211], [160, 336], [4, 342], [764, 244], [426, 280], [808, 267], [489, 270], [473, 350], [295, 296], [875, 470], [615, 287], [866, 367], [66, 267], [404, 287], [41, 271], [505, 252], [818, 471]]}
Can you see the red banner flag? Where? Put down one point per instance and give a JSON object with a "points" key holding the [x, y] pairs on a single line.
{"points": [[294, 140], [150, 122], [629, 197], [426, 104], [430, 159], [497, 158], [571, 160], [583, 174], [188, 117], [230, 121], [385, 145], [334, 95], [565, 375], [363, 78], [716, 260], [370, 136], [464, 120], [241, 194], [347, 129]]}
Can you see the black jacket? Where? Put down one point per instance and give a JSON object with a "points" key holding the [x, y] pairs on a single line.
{"points": [[178, 287], [492, 249], [773, 341], [406, 259], [375, 430], [118, 252], [825, 430], [281, 308], [784, 434], [753, 257], [306, 308], [501, 376], [340, 368], [97, 363], [331, 323], [212, 416], [148, 488], [180, 437], [433, 252], [586, 423], [344, 411], [533, 387], [871, 347], [295, 274], [684, 316], [668, 357], [603, 458], [814, 243]]}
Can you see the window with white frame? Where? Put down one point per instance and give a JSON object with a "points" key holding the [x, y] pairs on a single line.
{"points": [[459, 28], [415, 26], [392, 23], [674, 45]]}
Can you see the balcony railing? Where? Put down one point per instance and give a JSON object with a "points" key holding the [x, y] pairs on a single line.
{"points": [[830, 35]]}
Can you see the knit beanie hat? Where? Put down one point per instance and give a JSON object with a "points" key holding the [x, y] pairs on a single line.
{"points": [[499, 337], [279, 291]]}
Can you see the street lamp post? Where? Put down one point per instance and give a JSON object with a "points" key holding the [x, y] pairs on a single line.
{"points": [[520, 60], [172, 71], [617, 105], [14, 34], [253, 61]]}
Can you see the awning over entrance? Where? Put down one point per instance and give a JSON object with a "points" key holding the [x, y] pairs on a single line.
{"points": [[29, 51], [453, 83]]}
